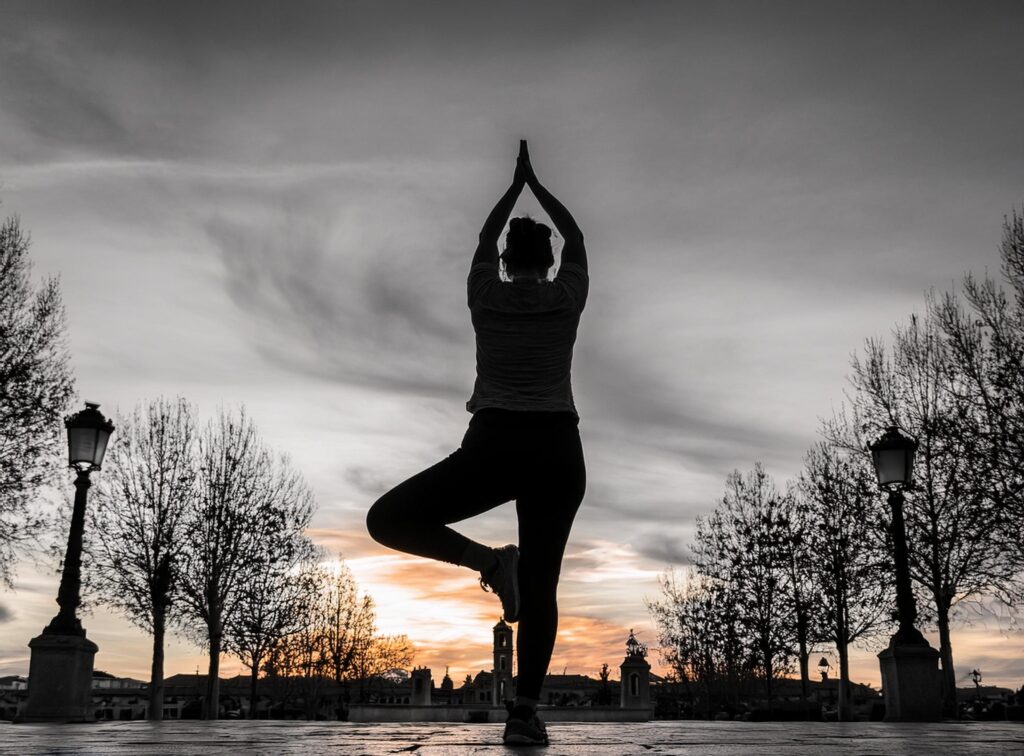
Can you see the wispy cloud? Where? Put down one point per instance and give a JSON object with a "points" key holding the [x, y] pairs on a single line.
{"points": [[350, 283], [53, 106]]}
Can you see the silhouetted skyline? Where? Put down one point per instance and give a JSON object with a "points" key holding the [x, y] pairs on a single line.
{"points": [[276, 205]]}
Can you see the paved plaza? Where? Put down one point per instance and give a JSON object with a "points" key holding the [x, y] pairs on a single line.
{"points": [[435, 739]]}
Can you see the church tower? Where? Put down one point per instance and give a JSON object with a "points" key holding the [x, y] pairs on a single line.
{"points": [[635, 674], [502, 674], [421, 686]]}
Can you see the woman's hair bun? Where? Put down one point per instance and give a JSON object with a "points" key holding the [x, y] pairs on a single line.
{"points": [[529, 226], [528, 245]]}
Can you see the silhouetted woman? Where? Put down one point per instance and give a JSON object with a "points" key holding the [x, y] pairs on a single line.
{"points": [[523, 442]]}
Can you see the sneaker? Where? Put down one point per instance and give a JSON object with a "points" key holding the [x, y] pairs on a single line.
{"points": [[503, 579], [525, 732]]}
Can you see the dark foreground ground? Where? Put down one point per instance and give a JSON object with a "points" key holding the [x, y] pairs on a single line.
{"points": [[584, 739]]}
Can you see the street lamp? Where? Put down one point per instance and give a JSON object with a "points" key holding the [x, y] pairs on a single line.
{"points": [[893, 456], [88, 433], [823, 668], [60, 671], [976, 678], [909, 664]]}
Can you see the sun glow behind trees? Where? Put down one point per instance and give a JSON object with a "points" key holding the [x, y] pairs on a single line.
{"points": [[204, 531]]}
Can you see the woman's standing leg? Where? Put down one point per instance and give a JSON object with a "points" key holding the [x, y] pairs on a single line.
{"points": [[546, 512]]}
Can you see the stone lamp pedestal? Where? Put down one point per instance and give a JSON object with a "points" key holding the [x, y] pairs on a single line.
{"points": [[60, 679], [911, 683]]}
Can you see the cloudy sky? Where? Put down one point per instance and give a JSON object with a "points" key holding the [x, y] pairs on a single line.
{"points": [[275, 204]]}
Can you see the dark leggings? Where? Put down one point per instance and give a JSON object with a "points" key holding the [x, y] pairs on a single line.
{"points": [[532, 457]]}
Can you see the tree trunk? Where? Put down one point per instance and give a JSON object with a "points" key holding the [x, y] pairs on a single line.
{"points": [[946, 653], [804, 666], [311, 698], [844, 713], [211, 709], [803, 652], [156, 675], [252, 687]]}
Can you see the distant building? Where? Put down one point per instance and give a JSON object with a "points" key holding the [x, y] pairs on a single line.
{"points": [[478, 689], [496, 686], [119, 698], [112, 697], [635, 676], [421, 683], [502, 680], [499, 684], [571, 690], [13, 690], [124, 698], [980, 693], [13, 682]]}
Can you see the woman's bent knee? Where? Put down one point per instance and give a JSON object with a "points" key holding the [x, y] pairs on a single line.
{"points": [[380, 522]]}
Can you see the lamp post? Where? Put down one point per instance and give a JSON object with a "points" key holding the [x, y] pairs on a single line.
{"points": [[909, 665], [976, 679], [823, 667], [893, 456], [60, 671]]}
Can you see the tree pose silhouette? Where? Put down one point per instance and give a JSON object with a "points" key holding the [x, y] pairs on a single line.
{"points": [[523, 441]]}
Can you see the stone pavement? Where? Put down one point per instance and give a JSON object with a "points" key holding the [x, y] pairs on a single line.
{"points": [[570, 738]]}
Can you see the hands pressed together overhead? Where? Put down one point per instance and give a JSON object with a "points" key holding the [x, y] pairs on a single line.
{"points": [[524, 168], [524, 175]]}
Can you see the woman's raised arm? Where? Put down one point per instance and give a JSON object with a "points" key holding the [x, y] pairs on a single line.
{"points": [[487, 249], [574, 251]]}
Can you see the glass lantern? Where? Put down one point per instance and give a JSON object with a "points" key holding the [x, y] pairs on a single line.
{"points": [[893, 457], [88, 433]]}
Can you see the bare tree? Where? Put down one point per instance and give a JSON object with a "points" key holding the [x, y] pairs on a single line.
{"points": [[247, 498], [795, 541], [701, 639], [380, 655], [744, 544], [604, 695], [348, 621], [848, 556], [136, 529], [985, 339], [298, 663], [36, 387], [950, 522], [272, 603], [334, 640]]}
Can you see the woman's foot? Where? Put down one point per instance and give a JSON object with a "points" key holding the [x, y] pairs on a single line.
{"points": [[503, 579], [523, 727]]}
